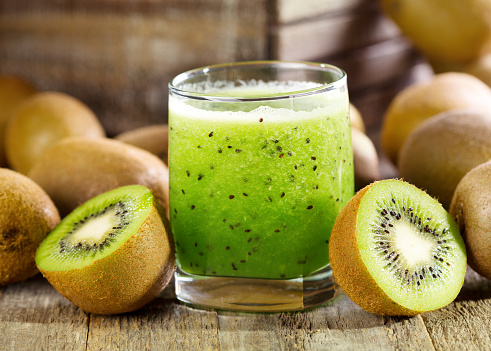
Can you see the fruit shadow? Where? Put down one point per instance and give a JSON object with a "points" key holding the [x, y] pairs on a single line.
{"points": [[475, 287]]}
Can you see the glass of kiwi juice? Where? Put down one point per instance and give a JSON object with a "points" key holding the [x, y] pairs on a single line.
{"points": [[260, 163]]}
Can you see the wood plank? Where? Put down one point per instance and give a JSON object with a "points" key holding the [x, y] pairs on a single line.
{"points": [[372, 101], [339, 325], [326, 36], [161, 325], [119, 59], [33, 316], [465, 324], [377, 64], [285, 11]]}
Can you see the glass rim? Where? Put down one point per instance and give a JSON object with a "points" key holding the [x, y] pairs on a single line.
{"points": [[292, 65]]}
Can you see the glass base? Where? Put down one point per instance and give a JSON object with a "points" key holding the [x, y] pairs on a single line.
{"points": [[256, 295]]}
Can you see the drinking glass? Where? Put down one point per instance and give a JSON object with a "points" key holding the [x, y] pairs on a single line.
{"points": [[260, 163]]}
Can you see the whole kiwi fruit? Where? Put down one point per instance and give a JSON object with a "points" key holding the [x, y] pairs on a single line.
{"points": [[394, 250], [365, 159], [13, 90], [43, 119], [421, 101], [76, 169], [153, 138], [27, 215], [356, 119], [441, 150], [471, 209], [113, 254]]}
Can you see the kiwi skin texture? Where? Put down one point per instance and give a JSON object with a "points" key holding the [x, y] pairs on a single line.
{"points": [[129, 278], [365, 159], [13, 91], [441, 150], [26, 218], [345, 247], [153, 138], [349, 270], [76, 169], [421, 101], [43, 119], [471, 209]]}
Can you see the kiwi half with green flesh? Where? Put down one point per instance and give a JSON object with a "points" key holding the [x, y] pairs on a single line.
{"points": [[394, 250], [111, 255]]}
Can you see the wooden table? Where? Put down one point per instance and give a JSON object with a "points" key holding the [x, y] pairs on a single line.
{"points": [[34, 316]]}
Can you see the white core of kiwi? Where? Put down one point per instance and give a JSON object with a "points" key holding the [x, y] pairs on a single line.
{"points": [[415, 249], [95, 230]]}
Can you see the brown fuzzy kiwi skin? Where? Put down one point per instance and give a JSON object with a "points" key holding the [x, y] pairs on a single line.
{"points": [[471, 210], [153, 138], [441, 150], [27, 216], [365, 159], [348, 268], [76, 169], [13, 90], [129, 278], [43, 119]]}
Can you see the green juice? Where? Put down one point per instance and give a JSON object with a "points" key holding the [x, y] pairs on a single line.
{"points": [[255, 187]]}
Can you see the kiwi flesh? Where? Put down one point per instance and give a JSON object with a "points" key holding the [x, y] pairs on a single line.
{"points": [[153, 138], [394, 250], [471, 209], [75, 169], [111, 255], [27, 216]]}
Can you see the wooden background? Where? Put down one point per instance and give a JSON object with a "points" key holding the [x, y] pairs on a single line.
{"points": [[119, 55]]}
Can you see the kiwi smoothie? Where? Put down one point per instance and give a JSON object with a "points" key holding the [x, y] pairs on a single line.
{"points": [[257, 185]]}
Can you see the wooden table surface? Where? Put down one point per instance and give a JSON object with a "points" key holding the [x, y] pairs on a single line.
{"points": [[34, 316]]}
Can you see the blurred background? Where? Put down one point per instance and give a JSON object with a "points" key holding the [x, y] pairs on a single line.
{"points": [[117, 56]]}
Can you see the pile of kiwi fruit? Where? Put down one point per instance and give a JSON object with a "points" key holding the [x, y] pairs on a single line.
{"points": [[99, 232], [87, 211]]}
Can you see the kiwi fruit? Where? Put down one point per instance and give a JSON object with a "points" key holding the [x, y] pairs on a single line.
{"points": [[75, 169], [153, 138], [43, 119], [356, 120], [421, 101], [440, 151], [13, 90], [471, 209], [26, 218], [113, 254], [365, 159], [394, 250]]}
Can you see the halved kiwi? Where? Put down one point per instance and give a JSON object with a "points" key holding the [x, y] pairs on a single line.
{"points": [[395, 250], [113, 254]]}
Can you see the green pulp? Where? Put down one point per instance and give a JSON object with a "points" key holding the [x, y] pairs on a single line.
{"points": [[255, 193]]}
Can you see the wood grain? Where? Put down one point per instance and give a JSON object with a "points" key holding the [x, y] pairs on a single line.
{"points": [[33, 316], [325, 36], [286, 11], [118, 56]]}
